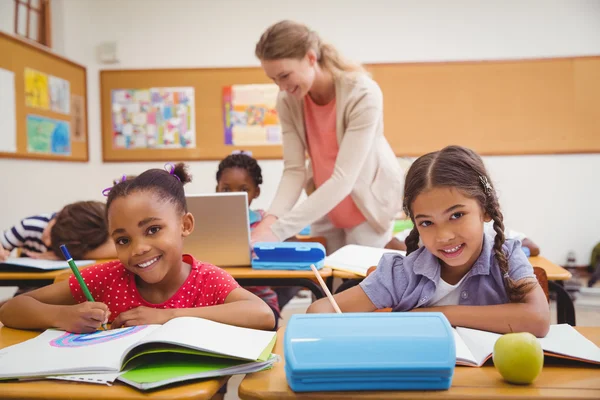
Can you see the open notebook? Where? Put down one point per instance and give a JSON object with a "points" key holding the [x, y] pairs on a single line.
{"points": [[357, 259], [475, 347], [56, 352], [25, 264]]}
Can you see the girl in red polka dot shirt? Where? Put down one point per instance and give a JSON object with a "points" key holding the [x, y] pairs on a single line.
{"points": [[152, 281]]}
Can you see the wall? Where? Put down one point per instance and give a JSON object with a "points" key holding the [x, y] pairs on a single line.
{"points": [[553, 198]]}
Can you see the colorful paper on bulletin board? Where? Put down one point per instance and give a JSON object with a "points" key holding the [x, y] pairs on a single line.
{"points": [[77, 118], [249, 115], [48, 136], [36, 89], [154, 118], [59, 94]]}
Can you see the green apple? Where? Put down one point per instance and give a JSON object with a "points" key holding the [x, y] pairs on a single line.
{"points": [[518, 357]]}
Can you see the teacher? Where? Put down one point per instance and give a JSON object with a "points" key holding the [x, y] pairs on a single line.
{"points": [[332, 110]]}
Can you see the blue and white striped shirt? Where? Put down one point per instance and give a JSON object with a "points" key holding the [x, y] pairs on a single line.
{"points": [[27, 234]]}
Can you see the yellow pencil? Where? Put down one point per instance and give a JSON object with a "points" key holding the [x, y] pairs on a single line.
{"points": [[326, 290]]}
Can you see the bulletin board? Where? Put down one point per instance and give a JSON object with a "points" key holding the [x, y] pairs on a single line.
{"points": [[541, 106], [43, 103]]}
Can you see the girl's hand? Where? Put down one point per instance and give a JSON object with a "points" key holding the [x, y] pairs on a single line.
{"points": [[48, 255], [263, 232], [142, 316], [83, 318], [4, 254]]}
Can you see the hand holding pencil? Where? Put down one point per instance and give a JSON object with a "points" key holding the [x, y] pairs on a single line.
{"points": [[89, 313]]}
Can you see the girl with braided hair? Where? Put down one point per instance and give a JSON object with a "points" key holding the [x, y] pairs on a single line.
{"points": [[477, 280]]}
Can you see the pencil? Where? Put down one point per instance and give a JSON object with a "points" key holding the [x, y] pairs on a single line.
{"points": [[75, 270], [326, 290]]}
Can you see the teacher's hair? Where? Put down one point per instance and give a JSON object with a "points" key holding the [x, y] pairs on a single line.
{"points": [[289, 39]]}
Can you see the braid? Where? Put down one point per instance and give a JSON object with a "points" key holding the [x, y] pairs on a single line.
{"points": [[515, 291], [241, 161], [412, 241]]}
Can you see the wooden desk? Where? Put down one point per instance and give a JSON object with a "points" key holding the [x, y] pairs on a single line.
{"points": [[33, 279], [247, 276], [555, 382], [52, 389], [555, 272]]}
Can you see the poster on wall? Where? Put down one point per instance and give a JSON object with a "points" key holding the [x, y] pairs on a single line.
{"points": [[8, 114], [59, 94], [77, 118], [36, 89], [249, 115], [154, 118], [48, 136]]}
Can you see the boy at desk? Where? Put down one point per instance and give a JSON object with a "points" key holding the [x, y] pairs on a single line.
{"points": [[80, 225]]}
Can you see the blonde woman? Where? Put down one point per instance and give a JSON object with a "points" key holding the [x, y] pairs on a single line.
{"points": [[332, 110]]}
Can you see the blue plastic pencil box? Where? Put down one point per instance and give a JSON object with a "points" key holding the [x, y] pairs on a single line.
{"points": [[293, 256], [369, 351]]}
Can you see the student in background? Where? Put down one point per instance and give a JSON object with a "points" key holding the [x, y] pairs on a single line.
{"points": [[152, 281], [332, 110], [81, 226], [239, 172], [476, 280]]}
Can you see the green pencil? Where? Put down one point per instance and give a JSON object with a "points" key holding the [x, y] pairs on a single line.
{"points": [[75, 270]]}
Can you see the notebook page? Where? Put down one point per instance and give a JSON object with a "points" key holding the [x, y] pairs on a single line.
{"points": [[563, 339], [481, 343], [57, 352], [202, 334], [357, 259], [463, 354]]}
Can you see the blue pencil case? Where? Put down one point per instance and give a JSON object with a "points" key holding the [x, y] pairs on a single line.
{"points": [[292, 256], [369, 351]]}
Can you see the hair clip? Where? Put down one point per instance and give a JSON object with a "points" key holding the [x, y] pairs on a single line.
{"points": [[106, 191], [243, 152], [506, 276], [487, 188], [171, 170]]}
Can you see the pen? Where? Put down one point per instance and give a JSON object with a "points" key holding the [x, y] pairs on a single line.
{"points": [[75, 270]]}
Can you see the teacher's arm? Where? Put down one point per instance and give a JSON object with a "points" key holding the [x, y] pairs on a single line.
{"points": [[354, 149]]}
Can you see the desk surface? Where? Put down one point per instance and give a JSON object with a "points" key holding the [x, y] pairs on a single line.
{"points": [[555, 272], [245, 273], [51, 389], [555, 382]]}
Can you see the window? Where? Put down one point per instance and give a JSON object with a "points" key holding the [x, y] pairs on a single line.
{"points": [[32, 20]]}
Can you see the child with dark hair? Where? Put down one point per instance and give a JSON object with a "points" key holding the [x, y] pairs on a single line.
{"points": [[152, 281], [81, 226], [240, 172], [477, 280]]}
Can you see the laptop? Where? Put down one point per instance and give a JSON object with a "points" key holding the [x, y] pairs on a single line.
{"points": [[221, 234]]}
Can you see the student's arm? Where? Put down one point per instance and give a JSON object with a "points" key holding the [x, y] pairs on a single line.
{"points": [[531, 315], [396, 244], [4, 254], [241, 308], [352, 300], [53, 306], [534, 250], [105, 251]]}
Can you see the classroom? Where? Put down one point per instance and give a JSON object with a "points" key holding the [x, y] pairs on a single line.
{"points": [[515, 85]]}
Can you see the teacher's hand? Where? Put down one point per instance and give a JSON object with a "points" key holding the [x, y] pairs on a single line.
{"points": [[263, 232]]}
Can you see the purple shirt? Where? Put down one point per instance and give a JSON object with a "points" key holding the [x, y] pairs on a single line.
{"points": [[405, 283]]}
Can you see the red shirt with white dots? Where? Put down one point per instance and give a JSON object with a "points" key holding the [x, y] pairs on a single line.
{"points": [[111, 284]]}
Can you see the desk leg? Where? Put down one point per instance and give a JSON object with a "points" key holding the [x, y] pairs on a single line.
{"points": [[565, 309], [311, 285]]}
